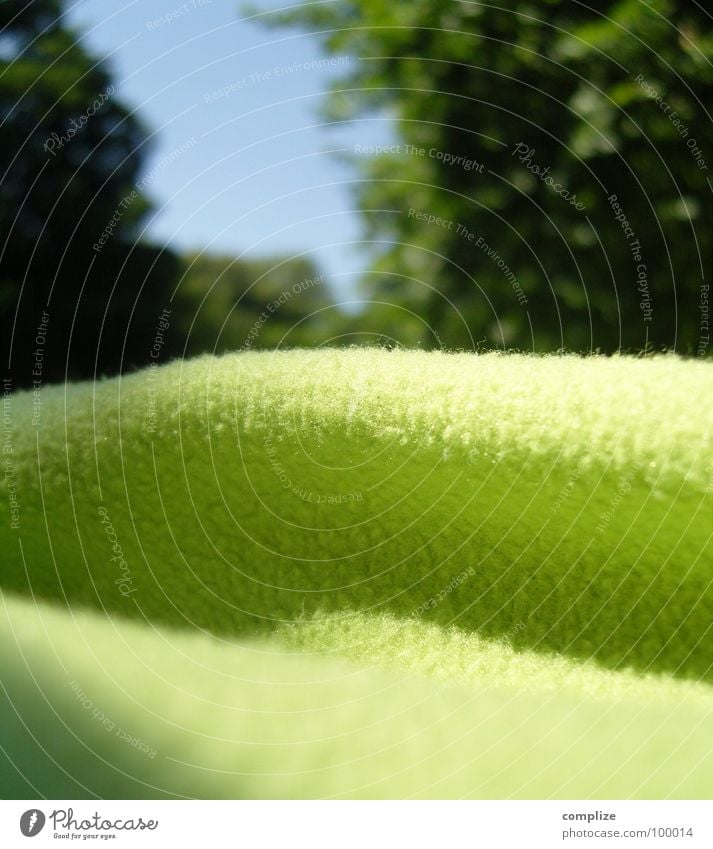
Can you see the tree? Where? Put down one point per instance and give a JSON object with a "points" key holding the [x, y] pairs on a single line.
{"points": [[549, 184], [70, 156], [224, 304]]}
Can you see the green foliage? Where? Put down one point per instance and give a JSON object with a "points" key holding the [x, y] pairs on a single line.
{"points": [[224, 304], [576, 89], [70, 156]]}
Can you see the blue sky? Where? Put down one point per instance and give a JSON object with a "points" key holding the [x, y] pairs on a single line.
{"points": [[240, 160]]}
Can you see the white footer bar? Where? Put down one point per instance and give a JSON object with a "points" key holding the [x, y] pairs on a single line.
{"points": [[358, 824]]}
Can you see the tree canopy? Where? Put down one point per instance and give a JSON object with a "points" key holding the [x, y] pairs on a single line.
{"points": [[81, 292], [70, 157], [549, 182]]}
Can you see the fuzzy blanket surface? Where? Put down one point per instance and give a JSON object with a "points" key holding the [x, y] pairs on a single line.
{"points": [[360, 573]]}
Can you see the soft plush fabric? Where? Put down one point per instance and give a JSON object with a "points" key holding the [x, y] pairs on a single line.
{"points": [[362, 573], [98, 706]]}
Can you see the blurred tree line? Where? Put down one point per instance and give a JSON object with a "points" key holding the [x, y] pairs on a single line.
{"points": [[549, 184], [224, 304], [80, 294]]}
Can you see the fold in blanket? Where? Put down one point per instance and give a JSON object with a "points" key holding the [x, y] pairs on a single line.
{"points": [[556, 509], [94, 706]]}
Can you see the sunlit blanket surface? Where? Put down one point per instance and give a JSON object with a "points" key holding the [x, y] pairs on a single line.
{"points": [[360, 573]]}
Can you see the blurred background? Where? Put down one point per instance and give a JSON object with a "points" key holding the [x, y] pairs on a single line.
{"points": [[178, 178]]}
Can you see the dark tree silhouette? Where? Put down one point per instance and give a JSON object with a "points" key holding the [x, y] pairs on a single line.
{"points": [[70, 158]]}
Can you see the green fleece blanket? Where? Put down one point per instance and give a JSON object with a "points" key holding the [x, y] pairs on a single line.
{"points": [[361, 573]]}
